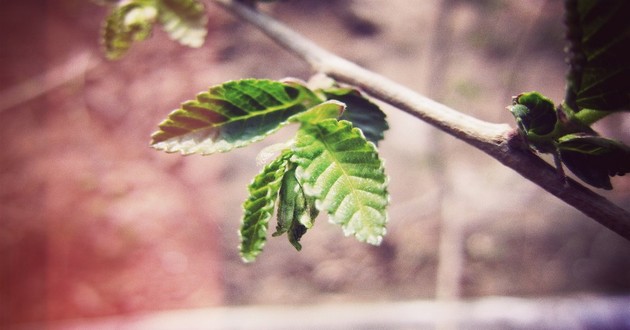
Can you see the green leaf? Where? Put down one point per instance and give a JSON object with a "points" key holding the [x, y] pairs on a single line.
{"points": [[232, 115], [128, 22], [184, 21], [259, 207], [599, 55], [360, 111], [341, 170], [322, 111], [294, 217], [594, 159], [543, 124]]}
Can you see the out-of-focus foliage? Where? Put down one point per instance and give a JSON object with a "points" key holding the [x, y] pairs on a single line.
{"points": [[133, 20]]}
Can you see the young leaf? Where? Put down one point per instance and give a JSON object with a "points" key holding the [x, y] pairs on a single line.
{"points": [[128, 22], [293, 209], [184, 21], [360, 111], [232, 115], [594, 159], [534, 113], [259, 207], [590, 157], [325, 110], [341, 170]]}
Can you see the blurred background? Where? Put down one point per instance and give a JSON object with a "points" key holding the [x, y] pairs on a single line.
{"points": [[96, 224]]}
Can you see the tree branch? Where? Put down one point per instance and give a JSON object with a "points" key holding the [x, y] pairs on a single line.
{"points": [[497, 140]]}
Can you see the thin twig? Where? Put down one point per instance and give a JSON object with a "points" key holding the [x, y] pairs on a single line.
{"points": [[497, 140]]}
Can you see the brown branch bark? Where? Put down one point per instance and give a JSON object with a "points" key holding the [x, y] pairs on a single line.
{"points": [[497, 140]]}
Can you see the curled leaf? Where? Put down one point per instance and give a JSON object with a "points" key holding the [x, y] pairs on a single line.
{"points": [[293, 209], [259, 207], [534, 113]]}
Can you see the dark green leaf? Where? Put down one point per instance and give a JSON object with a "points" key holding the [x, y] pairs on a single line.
{"points": [[594, 159], [599, 56], [295, 233], [232, 115], [361, 112]]}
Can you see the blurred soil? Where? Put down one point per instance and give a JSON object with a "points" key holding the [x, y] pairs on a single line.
{"points": [[93, 222]]}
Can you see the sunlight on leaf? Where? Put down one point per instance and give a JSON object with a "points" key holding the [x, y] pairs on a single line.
{"points": [[340, 169], [325, 110]]}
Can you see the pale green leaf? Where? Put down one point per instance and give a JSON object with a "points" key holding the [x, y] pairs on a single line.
{"points": [[341, 170], [324, 110], [184, 21], [259, 207], [232, 115]]}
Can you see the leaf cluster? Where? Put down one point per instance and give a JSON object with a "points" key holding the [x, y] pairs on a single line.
{"points": [[597, 86], [561, 132], [331, 166]]}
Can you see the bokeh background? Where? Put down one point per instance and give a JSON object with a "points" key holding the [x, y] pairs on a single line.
{"points": [[94, 223]]}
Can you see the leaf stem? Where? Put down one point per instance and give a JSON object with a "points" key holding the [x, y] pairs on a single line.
{"points": [[587, 116], [497, 140]]}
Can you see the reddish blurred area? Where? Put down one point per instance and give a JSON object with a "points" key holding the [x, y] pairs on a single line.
{"points": [[93, 221]]}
